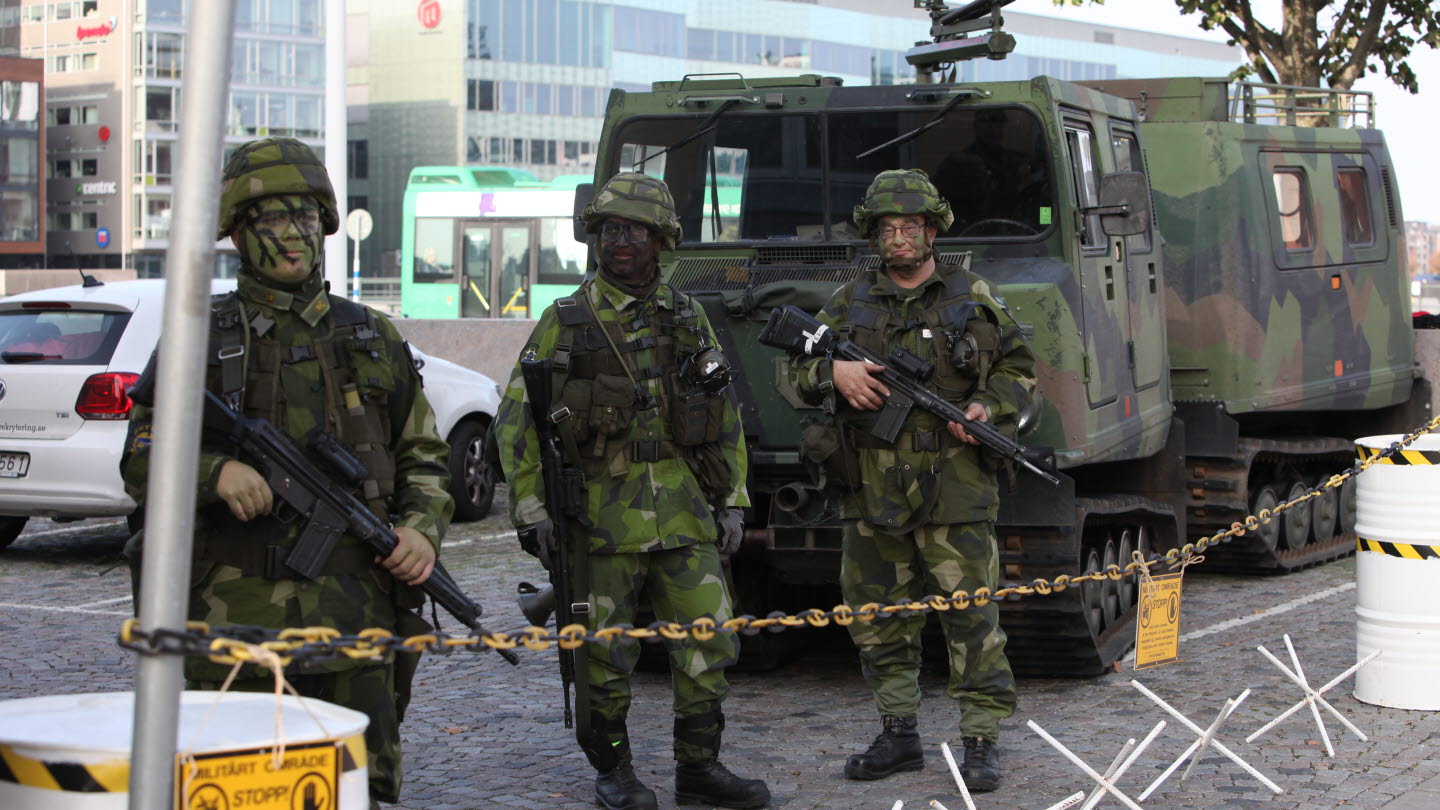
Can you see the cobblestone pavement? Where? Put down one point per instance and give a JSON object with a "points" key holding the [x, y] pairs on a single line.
{"points": [[482, 734]]}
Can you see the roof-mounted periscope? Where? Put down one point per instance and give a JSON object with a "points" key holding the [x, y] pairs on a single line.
{"points": [[1202, 99]]}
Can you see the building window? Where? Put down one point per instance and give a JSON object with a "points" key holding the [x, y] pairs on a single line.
{"points": [[525, 31], [60, 168], [357, 159], [89, 167], [60, 116], [1292, 204], [480, 95], [657, 33]]}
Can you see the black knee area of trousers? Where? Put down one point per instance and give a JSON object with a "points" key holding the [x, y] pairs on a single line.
{"points": [[702, 730], [608, 744]]}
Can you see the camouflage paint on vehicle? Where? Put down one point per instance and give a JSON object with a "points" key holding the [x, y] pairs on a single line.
{"points": [[1118, 324]]}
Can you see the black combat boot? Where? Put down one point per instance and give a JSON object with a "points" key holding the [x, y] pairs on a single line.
{"points": [[981, 770], [620, 789], [712, 783], [708, 781], [896, 749]]}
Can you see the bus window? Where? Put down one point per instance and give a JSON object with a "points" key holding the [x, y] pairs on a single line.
{"points": [[562, 259], [514, 266], [434, 251]]}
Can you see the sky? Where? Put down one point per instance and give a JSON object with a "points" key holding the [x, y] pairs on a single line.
{"points": [[1406, 119]]}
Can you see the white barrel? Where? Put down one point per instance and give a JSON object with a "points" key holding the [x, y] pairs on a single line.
{"points": [[1397, 573], [72, 752]]}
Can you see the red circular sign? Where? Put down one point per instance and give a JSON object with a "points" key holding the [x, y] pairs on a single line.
{"points": [[429, 13], [104, 133]]}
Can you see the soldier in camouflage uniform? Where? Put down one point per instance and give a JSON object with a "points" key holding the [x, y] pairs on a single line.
{"points": [[281, 348], [664, 462], [920, 512]]}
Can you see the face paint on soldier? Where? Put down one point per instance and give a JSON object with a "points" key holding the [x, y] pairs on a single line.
{"points": [[280, 238], [906, 243], [626, 257]]}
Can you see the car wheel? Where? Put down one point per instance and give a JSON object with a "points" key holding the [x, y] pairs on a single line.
{"points": [[472, 482], [10, 528]]}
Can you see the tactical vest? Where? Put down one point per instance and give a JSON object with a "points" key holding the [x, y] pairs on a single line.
{"points": [[965, 334], [359, 388], [601, 390]]}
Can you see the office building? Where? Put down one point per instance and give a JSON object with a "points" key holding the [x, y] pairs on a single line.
{"points": [[114, 78], [523, 83], [22, 142]]}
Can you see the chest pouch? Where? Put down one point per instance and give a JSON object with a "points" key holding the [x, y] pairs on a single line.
{"points": [[612, 409]]}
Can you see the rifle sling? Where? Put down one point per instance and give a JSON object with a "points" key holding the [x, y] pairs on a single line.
{"points": [[268, 561]]}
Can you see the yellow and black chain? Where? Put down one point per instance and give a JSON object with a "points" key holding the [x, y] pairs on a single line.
{"points": [[236, 644]]}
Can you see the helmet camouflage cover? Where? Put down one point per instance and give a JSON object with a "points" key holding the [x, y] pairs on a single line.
{"points": [[637, 197], [902, 191], [270, 167]]}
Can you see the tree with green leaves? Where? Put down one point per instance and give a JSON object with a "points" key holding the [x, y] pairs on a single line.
{"points": [[1322, 43]]}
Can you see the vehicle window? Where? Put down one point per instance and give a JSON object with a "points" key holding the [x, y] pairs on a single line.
{"points": [[1355, 207], [60, 337], [1079, 144], [434, 251], [562, 259], [765, 173], [989, 163], [1292, 203], [1129, 159]]}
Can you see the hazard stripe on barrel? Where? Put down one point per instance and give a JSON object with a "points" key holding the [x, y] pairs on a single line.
{"points": [[1403, 457], [352, 753], [105, 777], [114, 776], [1406, 550]]}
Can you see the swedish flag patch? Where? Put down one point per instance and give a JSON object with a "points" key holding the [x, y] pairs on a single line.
{"points": [[139, 438]]}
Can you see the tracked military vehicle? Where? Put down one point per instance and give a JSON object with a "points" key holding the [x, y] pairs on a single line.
{"points": [[1211, 276]]}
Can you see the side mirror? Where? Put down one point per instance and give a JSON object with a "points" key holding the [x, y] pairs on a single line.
{"points": [[584, 193], [1124, 204]]}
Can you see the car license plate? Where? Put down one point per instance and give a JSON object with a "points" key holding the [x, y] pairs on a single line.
{"points": [[14, 465]]}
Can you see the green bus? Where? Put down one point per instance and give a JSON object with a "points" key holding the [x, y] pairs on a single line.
{"points": [[491, 242], [482, 242]]}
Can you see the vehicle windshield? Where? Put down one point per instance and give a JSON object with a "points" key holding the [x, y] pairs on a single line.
{"points": [[60, 336], [767, 175]]}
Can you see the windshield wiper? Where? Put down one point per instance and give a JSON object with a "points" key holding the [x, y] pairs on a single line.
{"points": [[960, 95], [27, 357], [705, 127]]}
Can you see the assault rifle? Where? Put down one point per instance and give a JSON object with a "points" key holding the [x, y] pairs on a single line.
{"points": [[565, 503], [327, 506], [798, 334]]}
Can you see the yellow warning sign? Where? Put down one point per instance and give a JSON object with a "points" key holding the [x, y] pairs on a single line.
{"points": [[1157, 628], [307, 778]]}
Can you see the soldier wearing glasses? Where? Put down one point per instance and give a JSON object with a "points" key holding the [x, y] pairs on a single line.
{"points": [[920, 512], [663, 455]]}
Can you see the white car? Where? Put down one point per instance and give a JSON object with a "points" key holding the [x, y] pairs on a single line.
{"points": [[68, 356]]}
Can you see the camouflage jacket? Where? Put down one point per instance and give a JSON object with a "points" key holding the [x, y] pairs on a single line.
{"points": [[897, 485], [638, 506], [221, 593]]}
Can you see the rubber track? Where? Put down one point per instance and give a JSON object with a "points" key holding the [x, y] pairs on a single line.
{"points": [[1049, 635], [1220, 491]]}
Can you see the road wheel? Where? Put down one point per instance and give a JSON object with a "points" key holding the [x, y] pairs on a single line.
{"points": [[10, 528], [1295, 521], [1324, 512], [1127, 584], [1269, 533], [1092, 595], [1111, 591], [472, 482], [1348, 507]]}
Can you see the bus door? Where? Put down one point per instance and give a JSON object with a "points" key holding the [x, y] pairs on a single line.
{"points": [[497, 264]]}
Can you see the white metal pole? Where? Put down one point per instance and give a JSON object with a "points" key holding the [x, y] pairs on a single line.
{"points": [[170, 492], [335, 146]]}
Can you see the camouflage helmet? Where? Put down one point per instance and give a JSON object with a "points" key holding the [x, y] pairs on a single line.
{"points": [[638, 197], [902, 191], [269, 167]]}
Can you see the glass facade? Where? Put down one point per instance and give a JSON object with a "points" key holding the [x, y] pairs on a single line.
{"points": [[19, 161]]}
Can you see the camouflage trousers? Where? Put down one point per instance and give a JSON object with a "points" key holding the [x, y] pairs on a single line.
{"points": [[683, 584], [933, 559], [369, 690]]}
